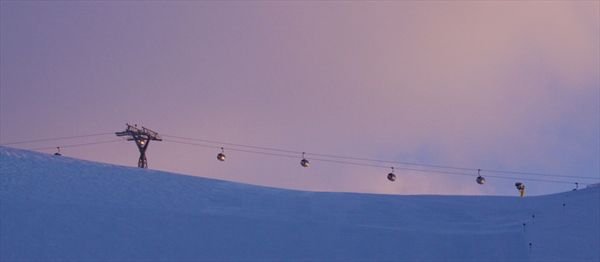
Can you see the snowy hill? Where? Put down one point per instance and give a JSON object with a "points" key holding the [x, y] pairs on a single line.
{"points": [[59, 208]]}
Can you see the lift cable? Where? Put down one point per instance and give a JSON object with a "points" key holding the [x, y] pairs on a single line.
{"points": [[234, 144], [78, 145], [294, 154], [55, 138], [377, 160], [360, 164]]}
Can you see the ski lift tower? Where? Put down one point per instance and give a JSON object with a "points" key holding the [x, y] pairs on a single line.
{"points": [[142, 137]]}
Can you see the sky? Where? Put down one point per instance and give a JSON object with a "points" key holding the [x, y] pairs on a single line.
{"points": [[496, 85]]}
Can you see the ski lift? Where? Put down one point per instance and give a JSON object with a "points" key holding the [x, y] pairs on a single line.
{"points": [[480, 180], [521, 187], [57, 151], [221, 156], [391, 176], [304, 162]]}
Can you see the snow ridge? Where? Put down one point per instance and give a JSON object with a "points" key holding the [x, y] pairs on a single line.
{"points": [[59, 208]]}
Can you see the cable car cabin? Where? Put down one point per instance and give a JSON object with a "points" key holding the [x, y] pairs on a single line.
{"points": [[391, 177], [480, 180], [221, 157], [304, 163]]}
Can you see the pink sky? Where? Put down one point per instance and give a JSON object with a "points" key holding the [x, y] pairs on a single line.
{"points": [[491, 85]]}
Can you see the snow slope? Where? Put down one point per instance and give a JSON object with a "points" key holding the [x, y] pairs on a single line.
{"points": [[59, 208]]}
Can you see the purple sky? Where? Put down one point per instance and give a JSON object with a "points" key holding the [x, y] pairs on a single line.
{"points": [[491, 85]]}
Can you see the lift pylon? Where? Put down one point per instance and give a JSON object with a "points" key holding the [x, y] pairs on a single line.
{"points": [[142, 137]]}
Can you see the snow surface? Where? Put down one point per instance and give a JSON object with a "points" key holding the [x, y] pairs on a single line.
{"points": [[59, 208]]}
